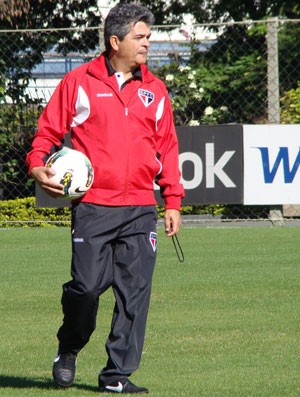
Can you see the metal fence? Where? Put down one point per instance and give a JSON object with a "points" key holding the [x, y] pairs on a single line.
{"points": [[216, 74]]}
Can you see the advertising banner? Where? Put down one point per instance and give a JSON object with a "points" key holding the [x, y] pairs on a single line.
{"points": [[211, 162], [271, 164]]}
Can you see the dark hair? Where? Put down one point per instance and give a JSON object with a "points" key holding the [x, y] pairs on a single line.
{"points": [[119, 19]]}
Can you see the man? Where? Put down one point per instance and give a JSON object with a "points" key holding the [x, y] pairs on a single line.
{"points": [[119, 115]]}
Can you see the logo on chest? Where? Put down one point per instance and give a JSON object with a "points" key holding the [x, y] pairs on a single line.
{"points": [[146, 97]]}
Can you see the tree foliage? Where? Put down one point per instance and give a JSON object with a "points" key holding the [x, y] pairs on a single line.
{"points": [[216, 11], [39, 14], [26, 49], [290, 113], [26, 36], [223, 10]]}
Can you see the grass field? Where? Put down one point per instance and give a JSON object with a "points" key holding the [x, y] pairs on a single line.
{"points": [[224, 323]]}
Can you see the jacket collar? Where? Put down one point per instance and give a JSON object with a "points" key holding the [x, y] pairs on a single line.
{"points": [[101, 68], [136, 75]]}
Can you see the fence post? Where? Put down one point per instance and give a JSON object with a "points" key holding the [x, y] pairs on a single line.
{"points": [[275, 212], [273, 72], [101, 38]]}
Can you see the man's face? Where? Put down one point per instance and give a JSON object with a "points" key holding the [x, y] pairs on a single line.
{"points": [[134, 48]]}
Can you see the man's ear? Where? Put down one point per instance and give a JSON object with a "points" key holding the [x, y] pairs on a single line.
{"points": [[114, 42]]}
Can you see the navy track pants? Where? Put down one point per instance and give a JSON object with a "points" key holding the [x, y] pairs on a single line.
{"points": [[111, 247]]}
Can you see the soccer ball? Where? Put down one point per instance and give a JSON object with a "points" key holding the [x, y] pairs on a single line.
{"points": [[73, 170]]}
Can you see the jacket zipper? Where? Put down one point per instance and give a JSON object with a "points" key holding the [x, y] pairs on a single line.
{"points": [[125, 192]]}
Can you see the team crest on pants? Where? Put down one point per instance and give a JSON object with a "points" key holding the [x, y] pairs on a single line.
{"points": [[153, 240]]}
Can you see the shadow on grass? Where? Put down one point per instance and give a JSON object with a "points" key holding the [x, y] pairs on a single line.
{"points": [[18, 382]]}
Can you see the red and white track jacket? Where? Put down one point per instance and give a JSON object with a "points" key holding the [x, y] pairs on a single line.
{"points": [[128, 134]]}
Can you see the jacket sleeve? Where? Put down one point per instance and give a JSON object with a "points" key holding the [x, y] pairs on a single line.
{"points": [[53, 123], [167, 147]]}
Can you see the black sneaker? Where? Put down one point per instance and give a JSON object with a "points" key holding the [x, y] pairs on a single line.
{"points": [[122, 386], [63, 369]]}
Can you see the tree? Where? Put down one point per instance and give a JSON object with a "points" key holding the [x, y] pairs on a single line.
{"points": [[26, 36], [26, 48], [223, 10], [290, 111], [216, 11]]}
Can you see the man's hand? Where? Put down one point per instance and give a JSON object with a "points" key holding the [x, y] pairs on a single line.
{"points": [[42, 176], [172, 222]]}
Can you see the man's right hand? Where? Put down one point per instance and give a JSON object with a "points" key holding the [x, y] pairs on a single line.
{"points": [[42, 175]]}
